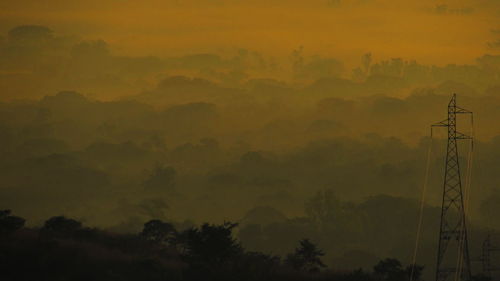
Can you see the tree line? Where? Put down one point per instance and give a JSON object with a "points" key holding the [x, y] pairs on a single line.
{"points": [[64, 249]]}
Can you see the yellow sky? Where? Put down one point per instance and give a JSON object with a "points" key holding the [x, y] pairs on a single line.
{"points": [[387, 28]]}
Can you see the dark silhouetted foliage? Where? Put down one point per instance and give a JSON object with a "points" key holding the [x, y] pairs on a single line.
{"points": [[391, 270], [211, 244], [159, 231], [9, 223], [307, 257], [208, 252], [62, 224]]}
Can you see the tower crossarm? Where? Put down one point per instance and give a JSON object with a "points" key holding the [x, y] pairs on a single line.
{"points": [[461, 136], [443, 123], [460, 110]]}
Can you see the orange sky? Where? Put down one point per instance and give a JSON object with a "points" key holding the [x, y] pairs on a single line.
{"points": [[387, 28]]}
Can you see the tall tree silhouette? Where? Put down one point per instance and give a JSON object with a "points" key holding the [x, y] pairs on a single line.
{"points": [[210, 244], [159, 231], [307, 257]]}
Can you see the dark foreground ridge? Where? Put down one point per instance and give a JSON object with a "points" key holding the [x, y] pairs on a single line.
{"points": [[63, 249]]}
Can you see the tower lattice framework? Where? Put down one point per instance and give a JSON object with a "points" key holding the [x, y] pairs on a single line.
{"points": [[487, 249], [453, 262]]}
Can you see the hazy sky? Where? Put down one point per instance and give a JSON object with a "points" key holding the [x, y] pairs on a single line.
{"points": [[429, 31]]}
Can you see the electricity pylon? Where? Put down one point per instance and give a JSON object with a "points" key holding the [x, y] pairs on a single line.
{"points": [[453, 262], [487, 248]]}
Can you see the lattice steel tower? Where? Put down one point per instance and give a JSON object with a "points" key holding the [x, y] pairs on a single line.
{"points": [[487, 249], [453, 262]]}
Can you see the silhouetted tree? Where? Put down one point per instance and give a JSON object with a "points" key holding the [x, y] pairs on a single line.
{"points": [[213, 244], [158, 231], [62, 225], [211, 251], [390, 270], [9, 223], [307, 257]]}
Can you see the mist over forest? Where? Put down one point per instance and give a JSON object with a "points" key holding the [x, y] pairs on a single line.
{"points": [[292, 147]]}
